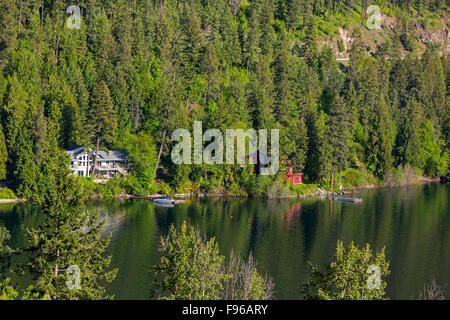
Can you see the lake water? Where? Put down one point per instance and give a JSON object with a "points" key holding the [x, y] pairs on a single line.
{"points": [[412, 222]]}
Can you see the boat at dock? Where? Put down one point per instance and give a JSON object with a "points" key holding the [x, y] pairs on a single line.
{"points": [[164, 201], [354, 200]]}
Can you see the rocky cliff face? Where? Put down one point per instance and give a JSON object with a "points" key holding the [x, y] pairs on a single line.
{"points": [[342, 42]]}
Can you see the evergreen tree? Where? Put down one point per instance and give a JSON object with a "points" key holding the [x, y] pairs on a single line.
{"points": [[338, 134], [8, 26], [102, 120], [3, 154], [70, 236], [379, 146], [411, 145], [293, 13], [309, 51], [283, 78]]}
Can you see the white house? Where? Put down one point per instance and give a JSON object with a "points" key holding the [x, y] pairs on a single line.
{"points": [[110, 163]]}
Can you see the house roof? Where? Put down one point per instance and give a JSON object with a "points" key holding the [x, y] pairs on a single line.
{"points": [[113, 155], [74, 151]]}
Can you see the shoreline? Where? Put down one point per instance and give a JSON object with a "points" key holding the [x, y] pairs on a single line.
{"points": [[320, 194], [12, 200]]}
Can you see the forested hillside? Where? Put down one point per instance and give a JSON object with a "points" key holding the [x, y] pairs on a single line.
{"points": [[148, 67]]}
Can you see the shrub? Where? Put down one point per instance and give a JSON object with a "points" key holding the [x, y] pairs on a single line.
{"points": [[402, 175], [258, 186], [431, 292], [305, 189], [244, 282], [191, 268], [348, 276], [341, 45], [6, 291], [353, 178], [6, 193], [279, 187], [408, 42]]}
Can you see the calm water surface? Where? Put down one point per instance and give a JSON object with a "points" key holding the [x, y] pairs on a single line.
{"points": [[412, 222]]}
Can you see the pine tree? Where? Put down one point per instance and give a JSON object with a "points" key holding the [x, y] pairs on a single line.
{"points": [[309, 51], [338, 133], [379, 146], [411, 144], [293, 13], [70, 236], [19, 110], [8, 25], [3, 154], [267, 39], [283, 76], [102, 120], [253, 36], [318, 165], [260, 99]]}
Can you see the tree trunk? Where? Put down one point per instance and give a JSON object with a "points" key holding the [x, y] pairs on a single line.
{"points": [[332, 179], [94, 165], [56, 269], [160, 151], [42, 14], [20, 17]]}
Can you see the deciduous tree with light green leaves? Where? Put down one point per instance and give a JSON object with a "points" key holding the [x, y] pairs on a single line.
{"points": [[354, 274], [191, 268]]}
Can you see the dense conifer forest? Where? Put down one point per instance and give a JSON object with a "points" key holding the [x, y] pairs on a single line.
{"points": [[140, 69]]}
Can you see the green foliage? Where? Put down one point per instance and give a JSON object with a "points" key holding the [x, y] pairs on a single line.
{"points": [[305, 189], [408, 42], [191, 268], [4, 237], [435, 157], [3, 154], [6, 193], [134, 73], [70, 236], [142, 154], [402, 175], [102, 121], [244, 282], [347, 277], [354, 178], [341, 46], [7, 292]]}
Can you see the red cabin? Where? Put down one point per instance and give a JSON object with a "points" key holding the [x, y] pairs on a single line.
{"points": [[294, 178]]}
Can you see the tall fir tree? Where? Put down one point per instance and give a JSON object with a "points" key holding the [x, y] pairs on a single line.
{"points": [[102, 121]]}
